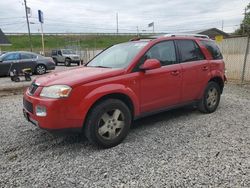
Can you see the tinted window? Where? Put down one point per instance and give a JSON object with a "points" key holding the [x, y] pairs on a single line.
{"points": [[11, 57], [213, 49], [59, 53], [189, 51], [164, 52], [28, 56], [54, 52]]}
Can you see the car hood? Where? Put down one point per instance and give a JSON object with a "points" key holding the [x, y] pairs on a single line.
{"points": [[77, 76]]}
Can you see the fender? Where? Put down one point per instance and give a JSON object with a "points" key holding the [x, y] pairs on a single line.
{"points": [[96, 94], [217, 73], [212, 74]]}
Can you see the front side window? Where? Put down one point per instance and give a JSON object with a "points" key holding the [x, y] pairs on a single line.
{"points": [[164, 52], [189, 51], [11, 57], [117, 56]]}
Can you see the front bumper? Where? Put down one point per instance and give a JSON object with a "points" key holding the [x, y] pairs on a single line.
{"points": [[51, 66], [58, 116], [75, 61]]}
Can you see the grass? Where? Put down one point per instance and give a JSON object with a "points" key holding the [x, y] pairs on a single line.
{"points": [[21, 42]]}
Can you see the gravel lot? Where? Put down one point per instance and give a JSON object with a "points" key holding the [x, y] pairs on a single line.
{"points": [[181, 148]]}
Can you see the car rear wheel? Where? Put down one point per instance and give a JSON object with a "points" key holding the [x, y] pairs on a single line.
{"points": [[210, 99], [108, 123], [40, 69]]}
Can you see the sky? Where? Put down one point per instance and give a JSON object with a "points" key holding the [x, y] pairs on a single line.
{"points": [[99, 16]]}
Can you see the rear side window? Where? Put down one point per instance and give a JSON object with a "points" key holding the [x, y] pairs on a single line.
{"points": [[54, 52], [189, 51], [27, 56], [213, 49]]}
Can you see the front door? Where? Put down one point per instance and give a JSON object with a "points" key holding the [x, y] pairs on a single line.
{"points": [[161, 88], [9, 62]]}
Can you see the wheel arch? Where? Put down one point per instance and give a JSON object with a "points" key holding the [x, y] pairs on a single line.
{"points": [[219, 81], [120, 96]]}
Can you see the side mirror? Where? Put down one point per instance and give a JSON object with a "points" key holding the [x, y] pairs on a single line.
{"points": [[150, 64]]}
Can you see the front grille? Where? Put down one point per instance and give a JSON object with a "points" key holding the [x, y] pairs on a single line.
{"points": [[28, 105], [33, 88]]}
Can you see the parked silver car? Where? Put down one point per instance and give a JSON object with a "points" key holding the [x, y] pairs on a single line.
{"points": [[65, 56]]}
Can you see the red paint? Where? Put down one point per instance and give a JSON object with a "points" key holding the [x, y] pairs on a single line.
{"points": [[149, 90]]}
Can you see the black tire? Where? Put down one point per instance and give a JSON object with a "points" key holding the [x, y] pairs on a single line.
{"points": [[67, 62], [28, 79], [17, 79], [114, 131], [210, 99], [40, 69]]}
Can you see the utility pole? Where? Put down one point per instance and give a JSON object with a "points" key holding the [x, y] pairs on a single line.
{"points": [[28, 24], [117, 29], [137, 28], [244, 24], [222, 25], [42, 38]]}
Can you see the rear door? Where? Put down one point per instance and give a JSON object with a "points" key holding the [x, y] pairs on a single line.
{"points": [[161, 88], [28, 60], [195, 69]]}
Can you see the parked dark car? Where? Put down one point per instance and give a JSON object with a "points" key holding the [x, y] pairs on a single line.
{"points": [[20, 60]]}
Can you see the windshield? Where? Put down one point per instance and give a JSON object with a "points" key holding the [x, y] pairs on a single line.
{"points": [[117, 56], [68, 52]]}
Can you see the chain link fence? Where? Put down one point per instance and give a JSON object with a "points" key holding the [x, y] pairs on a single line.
{"points": [[237, 58]]}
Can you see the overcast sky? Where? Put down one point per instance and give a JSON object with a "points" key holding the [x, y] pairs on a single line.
{"points": [[100, 15]]}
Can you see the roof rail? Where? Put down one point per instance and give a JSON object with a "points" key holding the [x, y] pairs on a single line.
{"points": [[186, 35], [142, 38]]}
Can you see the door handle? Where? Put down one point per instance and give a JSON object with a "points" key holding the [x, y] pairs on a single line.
{"points": [[205, 68], [175, 72]]}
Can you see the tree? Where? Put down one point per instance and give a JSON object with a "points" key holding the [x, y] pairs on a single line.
{"points": [[245, 25]]}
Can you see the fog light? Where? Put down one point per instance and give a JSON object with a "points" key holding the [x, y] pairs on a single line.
{"points": [[41, 111]]}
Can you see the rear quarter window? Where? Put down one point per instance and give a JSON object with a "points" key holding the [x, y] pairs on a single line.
{"points": [[213, 49]]}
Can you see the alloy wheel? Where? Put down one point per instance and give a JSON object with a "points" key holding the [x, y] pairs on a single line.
{"points": [[111, 124], [40, 69], [212, 97]]}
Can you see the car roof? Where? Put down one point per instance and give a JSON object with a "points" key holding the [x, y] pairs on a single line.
{"points": [[173, 36]]}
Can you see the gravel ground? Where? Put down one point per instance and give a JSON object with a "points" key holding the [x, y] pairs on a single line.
{"points": [[180, 148]]}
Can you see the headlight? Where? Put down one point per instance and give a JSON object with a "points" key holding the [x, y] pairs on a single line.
{"points": [[56, 91]]}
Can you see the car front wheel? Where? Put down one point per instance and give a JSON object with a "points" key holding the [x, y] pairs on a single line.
{"points": [[67, 62], [40, 69], [211, 98], [108, 123]]}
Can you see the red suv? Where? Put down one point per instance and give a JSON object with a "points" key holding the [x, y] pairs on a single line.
{"points": [[125, 82]]}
